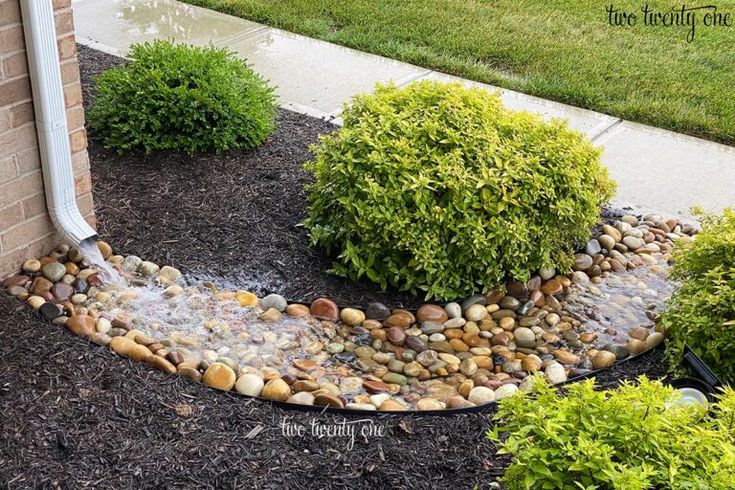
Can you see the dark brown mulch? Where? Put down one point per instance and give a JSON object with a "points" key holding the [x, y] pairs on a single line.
{"points": [[74, 415], [233, 217]]}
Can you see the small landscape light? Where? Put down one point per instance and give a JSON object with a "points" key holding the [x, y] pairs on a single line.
{"points": [[697, 390]]}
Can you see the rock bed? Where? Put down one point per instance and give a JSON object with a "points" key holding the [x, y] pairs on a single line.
{"points": [[460, 355]]}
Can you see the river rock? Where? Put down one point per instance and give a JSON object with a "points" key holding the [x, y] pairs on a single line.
{"points": [[82, 325], [396, 335], [219, 376], [301, 398], [61, 291], [276, 390], [352, 316], [454, 310], [377, 311], [128, 348], [431, 313], [169, 274], [475, 313], [275, 301], [158, 362], [249, 384], [476, 299], [481, 395], [328, 400], [582, 262], [654, 339], [524, 337], [593, 247], [426, 404], [53, 271], [603, 359], [552, 287], [49, 311], [556, 373], [271, 315], [506, 390]]}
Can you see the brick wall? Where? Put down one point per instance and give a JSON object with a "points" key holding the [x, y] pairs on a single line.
{"points": [[25, 227]]}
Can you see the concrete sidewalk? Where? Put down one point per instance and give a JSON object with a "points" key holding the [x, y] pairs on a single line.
{"points": [[657, 170]]}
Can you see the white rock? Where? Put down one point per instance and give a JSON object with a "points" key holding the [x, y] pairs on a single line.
{"points": [[505, 391], [249, 384], [481, 395], [556, 373]]}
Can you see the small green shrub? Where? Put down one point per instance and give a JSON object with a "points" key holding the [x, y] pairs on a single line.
{"points": [[438, 187], [182, 98], [701, 312], [626, 439]]}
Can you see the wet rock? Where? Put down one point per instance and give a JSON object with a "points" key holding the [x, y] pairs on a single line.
{"points": [[301, 398], [426, 404], [377, 311], [555, 373], [328, 400], [552, 287], [396, 335], [654, 339], [352, 316], [53, 271], [297, 310], [249, 384], [480, 395], [475, 313], [61, 291], [391, 406], [82, 325], [603, 359], [219, 376], [275, 301], [247, 299], [454, 310], [620, 351], [477, 299], [149, 269], [127, 347], [31, 266], [582, 262], [431, 313], [158, 362], [592, 248], [131, 263], [324, 309], [399, 319], [271, 315], [169, 274], [49, 311], [505, 391], [524, 337], [276, 390]]}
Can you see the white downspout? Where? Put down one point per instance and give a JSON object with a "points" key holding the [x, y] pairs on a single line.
{"points": [[53, 135]]}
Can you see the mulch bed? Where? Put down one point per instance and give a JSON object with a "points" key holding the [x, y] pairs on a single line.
{"points": [[75, 415]]}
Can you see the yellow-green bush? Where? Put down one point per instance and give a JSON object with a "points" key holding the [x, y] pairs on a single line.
{"points": [[631, 438], [701, 313], [437, 187]]}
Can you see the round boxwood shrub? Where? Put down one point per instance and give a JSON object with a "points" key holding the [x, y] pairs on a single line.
{"points": [[438, 187], [182, 97], [701, 312]]}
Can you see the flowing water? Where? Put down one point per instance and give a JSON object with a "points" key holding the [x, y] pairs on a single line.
{"points": [[88, 249]]}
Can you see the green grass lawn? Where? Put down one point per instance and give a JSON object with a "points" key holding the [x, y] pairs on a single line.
{"points": [[563, 50]]}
